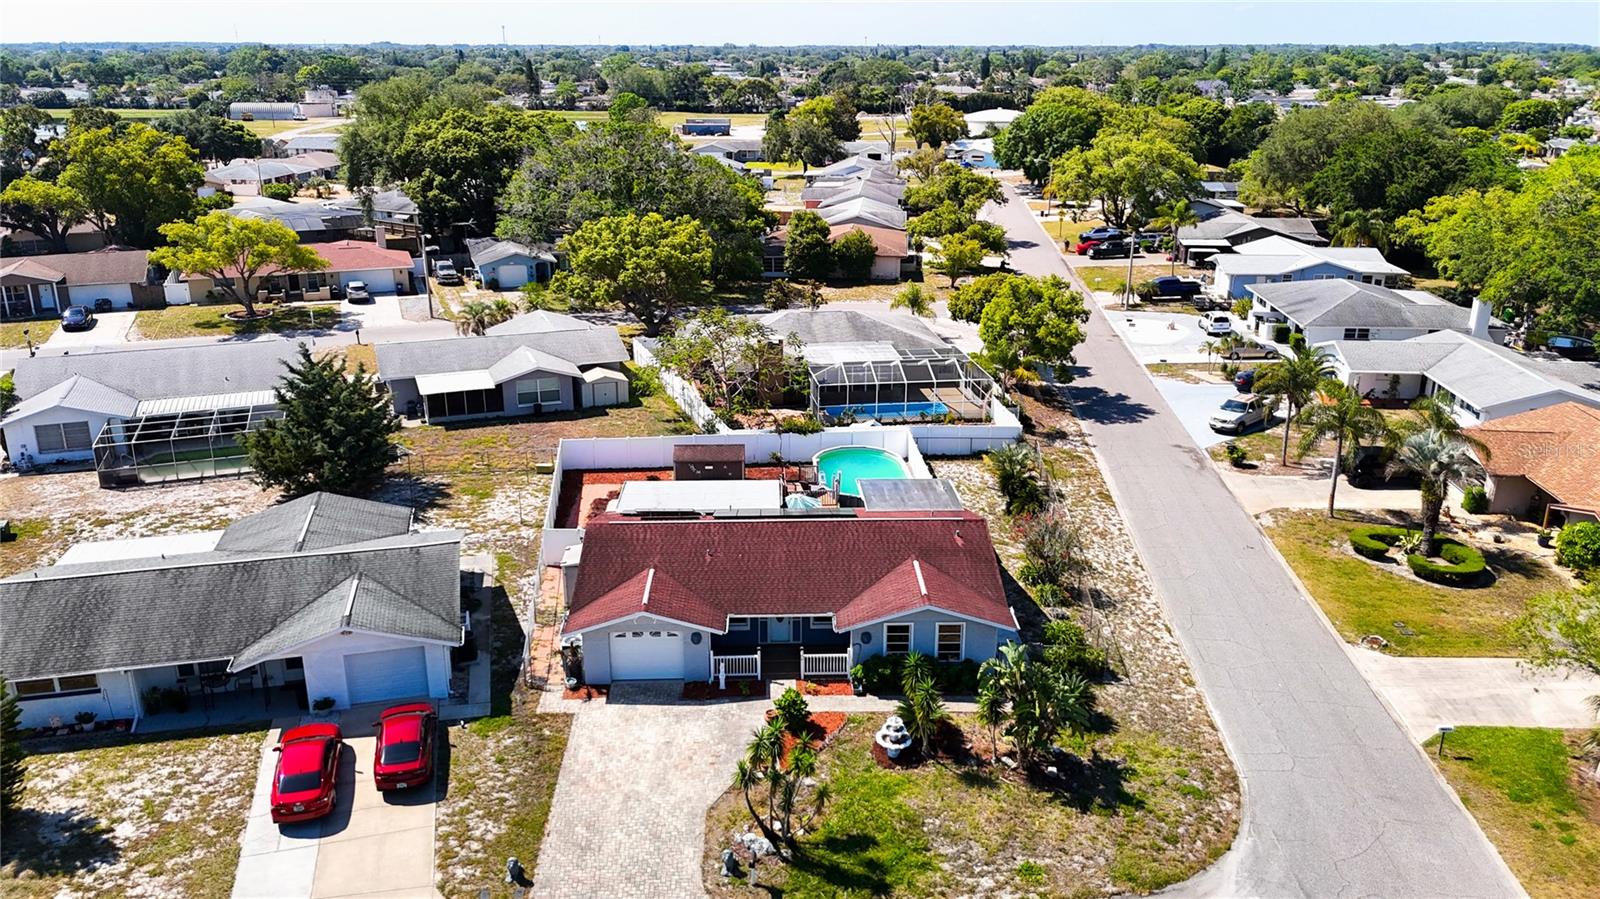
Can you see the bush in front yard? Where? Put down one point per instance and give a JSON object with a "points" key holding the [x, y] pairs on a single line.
{"points": [[1376, 541], [884, 674], [1067, 648], [1280, 333], [1463, 566], [1578, 546], [792, 710], [1475, 500]]}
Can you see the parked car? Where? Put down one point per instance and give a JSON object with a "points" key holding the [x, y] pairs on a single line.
{"points": [[403, 756], [1111, 249], [77, 318], [1240, 414], [445, 271], [1369, 469], [356, 292], [1104, 232], [1174, 286], [1216, 324], [304, 786], [1245, 381], [1244, 349], [1570, 347], [1149, 240], [1084, 246]]}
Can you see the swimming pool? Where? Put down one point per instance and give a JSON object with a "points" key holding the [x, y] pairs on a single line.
{"points": [[890, 410], [853, 463]]}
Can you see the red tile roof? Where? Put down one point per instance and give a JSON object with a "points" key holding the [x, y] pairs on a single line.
{"points": [[858, 568]]}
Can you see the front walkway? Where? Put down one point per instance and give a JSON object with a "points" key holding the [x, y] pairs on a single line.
{"points": [[1425, 693], [641, 769]]}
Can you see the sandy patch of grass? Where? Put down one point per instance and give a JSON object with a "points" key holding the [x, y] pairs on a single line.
{"points": [[39, 331], [212, 321]]}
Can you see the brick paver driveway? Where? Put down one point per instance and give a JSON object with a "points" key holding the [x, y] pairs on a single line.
{"points": [[628, 819]]}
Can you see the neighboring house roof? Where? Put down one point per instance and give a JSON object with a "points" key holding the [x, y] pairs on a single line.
{"points": [[308, 142], [726, 145], [866, 211], [1336, 302], [134, 612], [105, 266], [1481, 373], [76, 392], [539, 321], [1233, 224], [392, 203], [1219, 187], [488, 251], [1280, 255], [889, 242], [859, 568], [835, 326], [998, 116], [409, 359], [850, 166], [252, 170], [1557, 448], [161, 372], [871, 190], [303, 218], [313, 522]]}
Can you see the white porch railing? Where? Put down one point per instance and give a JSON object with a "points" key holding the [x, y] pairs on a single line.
{"points": [[724, 667], [824, 664]]}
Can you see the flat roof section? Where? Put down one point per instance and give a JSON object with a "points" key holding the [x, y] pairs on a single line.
{"points": [[908, 494]]}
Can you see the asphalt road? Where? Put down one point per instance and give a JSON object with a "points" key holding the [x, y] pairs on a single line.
{"points": [[1338, 801]]}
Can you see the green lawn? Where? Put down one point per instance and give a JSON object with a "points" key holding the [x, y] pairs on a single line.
{"points": [[1147, 808], [1065, 229], [1112, 277], [1361, 597], [39, 330], [1523, 786], [212, 321], [137, 115]]}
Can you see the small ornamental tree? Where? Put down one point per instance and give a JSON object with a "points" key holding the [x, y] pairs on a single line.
{"points": [[956, 256], [807, 253], [336, 433], [235, 253], [12, 771], [854, 254], [936, 124]]}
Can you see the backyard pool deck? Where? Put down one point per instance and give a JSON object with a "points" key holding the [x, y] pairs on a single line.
{"points": [[585, 493]]}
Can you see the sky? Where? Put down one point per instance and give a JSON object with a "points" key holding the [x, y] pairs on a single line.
{"points": [[775, 22]]}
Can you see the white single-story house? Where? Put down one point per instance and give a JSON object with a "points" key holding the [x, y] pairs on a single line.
{"points": [[37, 286], [507, 264], [383, 270], [246, 176], [851, 167], [1482, 380], [1223, 228], [310, 143], [734, 149], [981, 122], [864, 211], [519, 373], [311, 222], [1275, 259], [687, 598], [322, 597], [138, 394], [1339, 309], [972, 152]]}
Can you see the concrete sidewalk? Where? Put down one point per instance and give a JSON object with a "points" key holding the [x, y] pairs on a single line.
{"points": [[1425, 693]]}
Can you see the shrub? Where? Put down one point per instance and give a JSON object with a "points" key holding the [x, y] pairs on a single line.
{"points": [[799, 424], [85, 718], [1462, 565], [277, 191], [792, 710], [1145, 290], [1241, 308], [1280, 333], [1053, 547], [886, 674], [1048, 595], [646, 381], [1017, 478], [1578, 546], [1067, 648], [1375, 542], [1236, 454], [1475, 500]]}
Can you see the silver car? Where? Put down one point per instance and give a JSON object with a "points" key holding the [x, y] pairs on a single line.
{"points": [[1240, 414], [356, 292]]}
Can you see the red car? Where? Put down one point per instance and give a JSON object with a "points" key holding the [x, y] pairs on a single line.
{"points": [[403, 756], [303, 787], [1084, 246]]}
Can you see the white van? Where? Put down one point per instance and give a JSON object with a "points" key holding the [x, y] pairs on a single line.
{"points": [[1216, 324]]}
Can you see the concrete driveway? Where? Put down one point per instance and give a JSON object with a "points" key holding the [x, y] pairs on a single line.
{"points": [[109, 328], [628, 818], [372, 845], [1159, 336], [1193, 404]]}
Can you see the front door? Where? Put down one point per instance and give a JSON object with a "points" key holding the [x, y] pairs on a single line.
{"points": [[780, 630]]}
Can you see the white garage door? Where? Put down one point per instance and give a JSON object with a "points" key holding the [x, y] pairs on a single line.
{"points": [[391, 674], [377, 280], [512, 276], [647, 655]]}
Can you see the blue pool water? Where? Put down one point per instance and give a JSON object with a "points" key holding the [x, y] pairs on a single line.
{"points": [[890, 410], [853, 463]]}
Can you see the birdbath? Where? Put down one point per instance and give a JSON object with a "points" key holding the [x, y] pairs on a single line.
{"points": [[893, 736]]}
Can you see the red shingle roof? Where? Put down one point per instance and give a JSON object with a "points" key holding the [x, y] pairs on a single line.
{"points": [[857, 568], [355, 255], [708, 452]]}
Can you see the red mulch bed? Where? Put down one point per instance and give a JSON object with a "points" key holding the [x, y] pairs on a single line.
{"points": [[825, 688], [585, 693], [754, 689], [573, 482], [820, 728], [949, 745]]}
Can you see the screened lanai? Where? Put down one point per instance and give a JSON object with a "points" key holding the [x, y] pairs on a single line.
{"points": [[892, 384], [176, 440]]}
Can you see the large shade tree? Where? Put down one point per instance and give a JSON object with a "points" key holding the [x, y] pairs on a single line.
{"points": [[1059, 119], [133, 182], [45, 208], [235, 253], [1130, 174], [646, 264], [456, 165], [1032, 321]]}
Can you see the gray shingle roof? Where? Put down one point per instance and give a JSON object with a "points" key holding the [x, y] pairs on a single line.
{"points": [[539, 321], [358, 602], [904, 331], [76, 392], [1335, 302], [596, 346], [313, 522], [1231, 224], [488, 250], [131, 612], [152, 373]]}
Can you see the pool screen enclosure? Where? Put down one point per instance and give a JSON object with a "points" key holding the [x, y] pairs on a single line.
{"points": [[176, 446], [930, 383]]}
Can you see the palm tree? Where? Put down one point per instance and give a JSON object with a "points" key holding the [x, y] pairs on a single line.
{"points": [[1359, 228], [1171, 217], [1338, 412], [474, 318], [1295, 380], [1212, 348], [914, 300], [991, 714], [1438, 459]]}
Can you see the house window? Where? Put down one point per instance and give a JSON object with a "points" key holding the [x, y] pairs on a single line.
{"points": [[312, 280], [951, 635], [896, 639], [738, 624], [538, 391], [1367, 279], [1289, 276], [772, 265], [1357, 333], [822, 622], [65, 437], [78, 682], [48, 686], [41, 687], [190, 669]]}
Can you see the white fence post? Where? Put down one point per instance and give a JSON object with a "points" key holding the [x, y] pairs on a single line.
{"points": [[722, 675], [758, 663]]}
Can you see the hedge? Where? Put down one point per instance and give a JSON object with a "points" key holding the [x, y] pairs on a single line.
{"points": [[1475, 500], [1376, 541], [1578, 546], [1463, 566]]}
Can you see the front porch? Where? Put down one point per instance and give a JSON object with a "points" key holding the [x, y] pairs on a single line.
{"points": [[205, 694], [782, 661]]}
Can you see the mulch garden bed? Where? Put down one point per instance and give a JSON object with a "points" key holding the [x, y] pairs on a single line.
{"points": [[586, 693], [743, 688], [825, 688], [820, 728], [949, 745]]}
